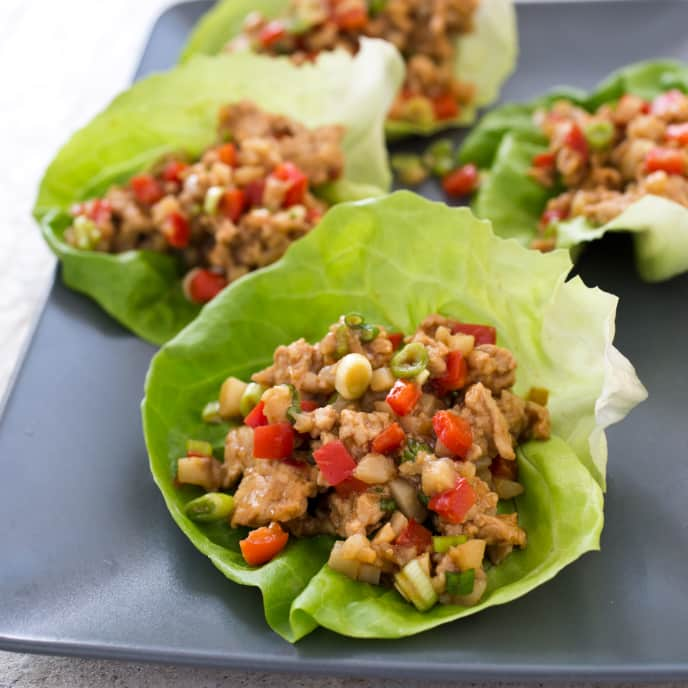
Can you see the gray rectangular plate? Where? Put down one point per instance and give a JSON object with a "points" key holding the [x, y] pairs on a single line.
{"points": [[92, 565]]}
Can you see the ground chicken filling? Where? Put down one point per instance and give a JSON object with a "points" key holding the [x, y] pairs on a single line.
{"points": [[611, 158], [424, 31], [235, 210], [401, 447]]}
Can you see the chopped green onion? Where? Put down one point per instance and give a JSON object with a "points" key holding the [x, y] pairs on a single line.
{"points": [[213, 506], [388, 505], [368, 333], [599, 134], [415, 586], [423, 498], [460, 583], [211, 412], [198, 448], [212, 199], [86, 233], [250, 397], [342, 339], [442, 543], [410, 361], [334, 398], [413, 446], [354, 320], [409, 169]]}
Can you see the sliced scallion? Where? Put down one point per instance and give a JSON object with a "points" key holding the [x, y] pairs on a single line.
{"points": [[211, 412], [415, 585], [410, 361], [250, 398], [460, 583], [213, 506], [442, 543]]}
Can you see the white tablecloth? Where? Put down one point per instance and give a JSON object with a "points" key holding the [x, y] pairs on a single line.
{"points": [[60, 62]]}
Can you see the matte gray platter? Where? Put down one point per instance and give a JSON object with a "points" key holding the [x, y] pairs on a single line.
{"points": [[92, 565]]}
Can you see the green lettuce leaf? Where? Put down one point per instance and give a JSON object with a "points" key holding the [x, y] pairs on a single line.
{"points": [[177, 112], [397, 259], [503, 145], [486, 57]]}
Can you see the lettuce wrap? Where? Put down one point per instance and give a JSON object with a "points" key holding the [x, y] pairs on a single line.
{"points": [[505, 141], [485, 57], [176, 112], [371, 257]]}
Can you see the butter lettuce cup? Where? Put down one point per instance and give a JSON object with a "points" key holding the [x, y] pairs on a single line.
{"points": [[195, 177], [457, 53], [567, 168], [422, 391]]}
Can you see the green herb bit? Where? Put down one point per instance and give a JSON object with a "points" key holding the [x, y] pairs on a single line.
{"points": [[198, 448], [423, 498], [460, 583], [599, 133], [213, 506], [410, 361], [250, 398], [440, 157], [342, 340], [409, 168], [442, 543], [376, 6], [211, 413], [295, 407], [354, 320], [388, 505], [413, 446]]}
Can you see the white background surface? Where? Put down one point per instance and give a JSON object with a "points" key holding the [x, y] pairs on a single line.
{"points": [[61, 61]]}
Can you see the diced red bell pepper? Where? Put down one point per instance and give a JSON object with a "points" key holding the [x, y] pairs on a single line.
{"points": [[668, 103], [445, 106], [389, 440], [227, 154], [203, 285], [456, 374], [272, 33], [173, 170], [351, 19], [454, 432], [550, 216], [297, 182], [483, 334], [176, 230], [334, 462], [146, 188], [232, 204], [678, 133], [462, 181], [545, 160], [253, 192], [453, 505], [403, 397], [256, 418], [501, 468], [263, 544], [309, 405], [575, 140], [396, 338], [275, 441], [351, 486], [667, 160], [415, 535]]}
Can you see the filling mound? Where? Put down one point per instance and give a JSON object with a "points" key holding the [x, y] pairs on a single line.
{"points": [[404, 448], [602, 162], [234, 210], [424, 31]]}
